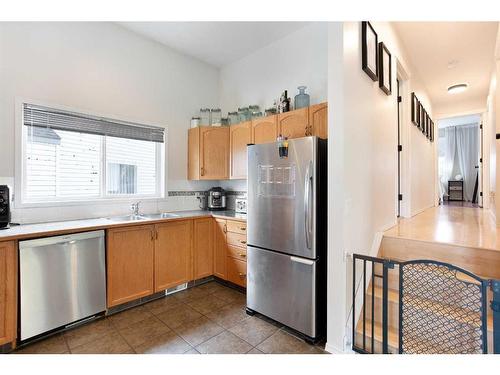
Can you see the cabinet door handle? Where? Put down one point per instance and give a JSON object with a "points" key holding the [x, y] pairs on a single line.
{"points": [[225, 228], [152, 235], [202, 171], [156, 234], [243, 228], [242, 274], [243, 242], [243, 255]]}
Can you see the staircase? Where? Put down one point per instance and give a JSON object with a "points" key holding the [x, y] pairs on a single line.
{"points": [[437, 317]]}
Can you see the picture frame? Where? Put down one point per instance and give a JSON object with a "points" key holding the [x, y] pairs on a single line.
{"points": [[414, 109], [419, 117], [385, 69], [431, 137], [424, 120], [428, 127], [369, 50]]}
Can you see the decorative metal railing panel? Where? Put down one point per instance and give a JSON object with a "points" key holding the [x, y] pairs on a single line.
{"points": [[432, 307], [441, 312]]}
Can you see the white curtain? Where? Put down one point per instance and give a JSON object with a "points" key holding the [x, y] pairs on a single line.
{"points": [[467, 152], [450, 146]]}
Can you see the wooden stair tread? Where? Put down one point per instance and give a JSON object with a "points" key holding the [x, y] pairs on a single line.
{"points": [[434, 307], [392, 337]]}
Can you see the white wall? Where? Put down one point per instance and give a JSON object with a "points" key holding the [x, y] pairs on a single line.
{"points": [[105, 69], [298, 59], [363, 156]]}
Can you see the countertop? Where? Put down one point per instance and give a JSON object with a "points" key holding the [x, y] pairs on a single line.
{"points": [[25, 231]]}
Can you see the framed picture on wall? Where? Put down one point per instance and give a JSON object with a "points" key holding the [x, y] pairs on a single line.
{"points": [[369, 50], [385, 69], [414, 109], [431, 137], [424, 120], [428, 126], [418, 109]]}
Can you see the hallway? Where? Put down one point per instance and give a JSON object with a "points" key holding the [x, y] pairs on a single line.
{"points": [[448, 224]]}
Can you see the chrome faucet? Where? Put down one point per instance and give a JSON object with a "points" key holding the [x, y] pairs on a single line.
{"points": [[135, 208]]}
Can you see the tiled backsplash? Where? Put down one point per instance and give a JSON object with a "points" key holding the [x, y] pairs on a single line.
{"points": [[188, 199], [175, 201]]}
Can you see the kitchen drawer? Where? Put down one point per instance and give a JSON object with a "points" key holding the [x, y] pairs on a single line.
{"points": [[237, 227], [237, 252], [236, 271], [236, 239]]}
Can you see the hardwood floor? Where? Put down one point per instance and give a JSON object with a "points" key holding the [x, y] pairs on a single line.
{"points": [[461, 226]]}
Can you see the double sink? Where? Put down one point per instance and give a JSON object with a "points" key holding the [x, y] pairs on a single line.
{"points": [[133, 217]]}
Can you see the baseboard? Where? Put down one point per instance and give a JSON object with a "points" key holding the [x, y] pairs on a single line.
{"points": [[333, 350], [414, 213]]}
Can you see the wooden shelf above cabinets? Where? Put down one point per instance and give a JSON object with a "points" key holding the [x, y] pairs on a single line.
{"points": [[208, 153], [219, 153]]}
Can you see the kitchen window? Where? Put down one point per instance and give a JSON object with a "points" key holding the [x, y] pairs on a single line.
{"points": [[69, 156]]}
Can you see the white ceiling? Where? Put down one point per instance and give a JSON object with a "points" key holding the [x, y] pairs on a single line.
{"points": [[216, 43], [447, 53]]}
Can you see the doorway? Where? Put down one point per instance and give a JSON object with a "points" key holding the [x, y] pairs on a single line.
{"points": [[459, 159], [399, 146]]}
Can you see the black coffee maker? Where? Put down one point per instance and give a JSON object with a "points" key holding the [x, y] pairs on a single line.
{"points": [[4, 207]]}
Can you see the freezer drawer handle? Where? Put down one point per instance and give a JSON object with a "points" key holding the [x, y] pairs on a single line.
{"points": [[302, 260]]}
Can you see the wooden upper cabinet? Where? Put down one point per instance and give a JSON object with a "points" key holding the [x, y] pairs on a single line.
{"points": [[130, 257], [203, 248], [173, 254], [318, 120], [294, 124], [220, 248], [208, 153], [239, 136], [265, 129], [8, 292]]}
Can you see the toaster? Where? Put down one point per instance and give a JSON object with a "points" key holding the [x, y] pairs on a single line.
{"points": [[240, 204]]}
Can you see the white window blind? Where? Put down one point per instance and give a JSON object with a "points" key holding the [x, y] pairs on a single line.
{"points": [[66, 163]]}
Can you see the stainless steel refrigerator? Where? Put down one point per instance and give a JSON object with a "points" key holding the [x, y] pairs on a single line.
{"points": [[286, 252]]}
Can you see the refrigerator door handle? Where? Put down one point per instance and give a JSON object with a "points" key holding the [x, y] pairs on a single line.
{"points": [[302, 260], [307, 204]]}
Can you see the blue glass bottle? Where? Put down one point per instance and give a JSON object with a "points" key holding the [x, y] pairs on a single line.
{"points": [[302, 99]]}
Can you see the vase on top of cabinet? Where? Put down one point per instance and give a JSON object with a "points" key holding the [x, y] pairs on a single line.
{"points": [[302, 99]]}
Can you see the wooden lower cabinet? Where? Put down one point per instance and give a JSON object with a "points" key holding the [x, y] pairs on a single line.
{"points": [[130, 259], [173, 254], [8, 292], [237, 271], [203, 255], [220, 248]]}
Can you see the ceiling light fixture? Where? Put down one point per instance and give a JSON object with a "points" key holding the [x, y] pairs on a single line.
{"points": [[455, 89]]}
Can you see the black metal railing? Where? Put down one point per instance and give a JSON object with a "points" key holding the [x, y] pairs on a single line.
{"points": [[431, 307]]}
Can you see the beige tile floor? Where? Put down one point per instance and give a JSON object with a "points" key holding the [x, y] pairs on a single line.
{"points": [[207, 319]]}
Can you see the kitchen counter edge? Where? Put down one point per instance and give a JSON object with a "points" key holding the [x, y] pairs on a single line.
{"points": [[30, 231]]}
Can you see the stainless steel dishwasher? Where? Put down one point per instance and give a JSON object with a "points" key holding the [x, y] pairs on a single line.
{"points": [[62, 280]]}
